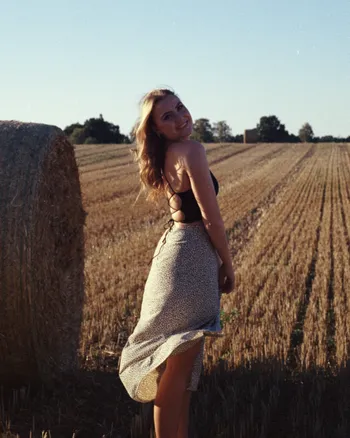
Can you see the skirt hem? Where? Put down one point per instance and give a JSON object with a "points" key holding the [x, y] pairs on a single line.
{"points": [[157, 368]]}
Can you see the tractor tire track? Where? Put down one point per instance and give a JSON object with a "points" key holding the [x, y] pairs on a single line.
{"points": [[278, 249], [297, 335], [232, 154], [331, 343], [249, 222]]}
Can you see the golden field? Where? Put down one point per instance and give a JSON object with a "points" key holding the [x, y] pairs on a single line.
{"points": [[282, 368]]}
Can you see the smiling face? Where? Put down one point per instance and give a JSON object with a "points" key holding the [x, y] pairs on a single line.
{"points": [[172, 119]]}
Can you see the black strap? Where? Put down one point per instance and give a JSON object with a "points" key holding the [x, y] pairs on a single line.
{"points": [[168, 183], [174, 193]]}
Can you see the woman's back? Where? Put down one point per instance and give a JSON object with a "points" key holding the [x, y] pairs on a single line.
{"points": [[181, 198]]}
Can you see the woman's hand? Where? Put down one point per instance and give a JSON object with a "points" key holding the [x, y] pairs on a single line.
{"points": [[226, 279]]}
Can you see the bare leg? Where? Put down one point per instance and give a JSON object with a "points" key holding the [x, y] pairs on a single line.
{"points": [[182, 431], [171, 391]]}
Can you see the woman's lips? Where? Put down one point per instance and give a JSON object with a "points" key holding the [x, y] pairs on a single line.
{"points": [[184, 125]]}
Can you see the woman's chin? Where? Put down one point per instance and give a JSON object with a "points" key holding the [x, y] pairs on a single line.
{"points": [[186, 133]]}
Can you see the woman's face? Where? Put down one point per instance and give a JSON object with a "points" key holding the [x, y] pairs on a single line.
{"points": [[172, 119]]}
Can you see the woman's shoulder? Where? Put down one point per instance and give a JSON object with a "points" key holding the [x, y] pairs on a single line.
{"points": [[186, 148]]}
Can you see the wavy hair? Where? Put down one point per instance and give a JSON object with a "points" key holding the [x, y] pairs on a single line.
{"points": [[150, 149]]}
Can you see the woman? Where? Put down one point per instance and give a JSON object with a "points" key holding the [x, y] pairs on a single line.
{"points": [[162, 358]]}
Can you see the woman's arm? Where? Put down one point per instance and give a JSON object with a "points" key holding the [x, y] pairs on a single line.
{"points": [[197, 168]]}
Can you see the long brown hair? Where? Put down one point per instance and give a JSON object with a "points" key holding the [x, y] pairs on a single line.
{"points": [[150, 148]]}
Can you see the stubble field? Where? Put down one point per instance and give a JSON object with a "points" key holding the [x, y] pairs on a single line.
{"points": [[282, 368]]}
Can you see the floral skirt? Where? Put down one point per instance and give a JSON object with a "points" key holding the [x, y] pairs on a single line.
{"points": [[180, 306]]}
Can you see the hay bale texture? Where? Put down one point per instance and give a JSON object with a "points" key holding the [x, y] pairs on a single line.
{"points": [[41, 253]]}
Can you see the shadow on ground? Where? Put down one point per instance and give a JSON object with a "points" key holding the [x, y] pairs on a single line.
{"points": [[258, 400]]}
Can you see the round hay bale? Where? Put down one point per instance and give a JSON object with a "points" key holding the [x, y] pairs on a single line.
{"points": [[41, 253]]}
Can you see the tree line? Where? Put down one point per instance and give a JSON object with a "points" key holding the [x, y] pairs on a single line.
{"points": [[95, 131], [268, 130]]}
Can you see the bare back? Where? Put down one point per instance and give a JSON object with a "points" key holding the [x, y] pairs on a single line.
{"points": [[186, 167], [175, 172]]}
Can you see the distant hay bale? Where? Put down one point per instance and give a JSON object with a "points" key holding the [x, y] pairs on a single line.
{"points": [[41, 253], [251, 136]]}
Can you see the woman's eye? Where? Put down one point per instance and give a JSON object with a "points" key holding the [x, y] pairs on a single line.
{"points": [[180, 106], [166, 117]]}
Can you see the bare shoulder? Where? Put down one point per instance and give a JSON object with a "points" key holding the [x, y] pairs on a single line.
{"points": [[195, 157], [188, 151], [186, 147]]}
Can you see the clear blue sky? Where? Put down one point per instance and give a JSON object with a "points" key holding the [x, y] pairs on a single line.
{"points": [[66, 61]]}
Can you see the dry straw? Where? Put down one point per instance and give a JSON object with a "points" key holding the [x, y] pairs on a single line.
{"points": [[41, 253]]}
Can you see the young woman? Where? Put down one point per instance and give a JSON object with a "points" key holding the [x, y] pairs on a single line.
{"points": [[191, 266]]}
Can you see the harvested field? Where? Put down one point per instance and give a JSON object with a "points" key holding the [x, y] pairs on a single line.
{"points": [[282, 369]]}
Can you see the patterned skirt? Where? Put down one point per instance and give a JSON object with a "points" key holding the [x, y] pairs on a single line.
{"points": [[180, 306]]}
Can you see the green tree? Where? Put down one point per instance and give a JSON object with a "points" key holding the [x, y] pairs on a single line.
{"points": [[202, 131], [222, 131], [95, 130], [90, 140], [270, 130], [78, 135], [71, 128], [237, 138], [102, 131], [306, 133]]}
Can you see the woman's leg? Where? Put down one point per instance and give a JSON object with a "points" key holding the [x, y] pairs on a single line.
{"points": [[171, 392], [182, 431]]}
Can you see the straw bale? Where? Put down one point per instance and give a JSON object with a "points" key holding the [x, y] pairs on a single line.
{"points": [[251, 135], [41, 253]]}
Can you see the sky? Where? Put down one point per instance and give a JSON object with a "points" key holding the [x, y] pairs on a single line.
{"points": [[64, 62]]}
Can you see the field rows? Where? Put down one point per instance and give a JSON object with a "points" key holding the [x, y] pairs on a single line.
{"points": [[266, 267], [126, 236], [282, 368]]}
